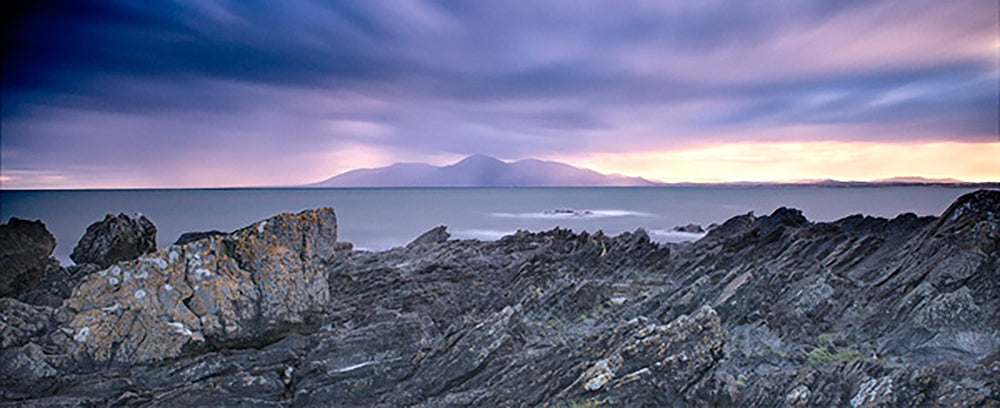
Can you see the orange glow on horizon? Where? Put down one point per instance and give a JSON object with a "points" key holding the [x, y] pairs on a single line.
{"points": [[710, 163], [798, 161]]}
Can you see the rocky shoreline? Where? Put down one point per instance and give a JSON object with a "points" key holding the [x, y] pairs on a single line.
{"points": [[763, 311]]}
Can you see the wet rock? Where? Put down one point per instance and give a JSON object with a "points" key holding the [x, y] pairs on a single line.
{"points": [[25, 255], [115, 239]]}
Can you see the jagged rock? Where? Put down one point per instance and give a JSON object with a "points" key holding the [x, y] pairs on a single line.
{"points": [[25, 255], [246, 288], [656, 364], [764, 311], [690, 228], [115, 239], [57, 285], [732, 227], [782, 217], [436, 235], [189, 237], [22, 322]]}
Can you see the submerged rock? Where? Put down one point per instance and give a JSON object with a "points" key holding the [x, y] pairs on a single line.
{"points": [[116, 238], [25, 255], [763, 311]]}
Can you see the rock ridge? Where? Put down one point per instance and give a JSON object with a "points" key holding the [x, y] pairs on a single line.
{"points": [[774, 310]]}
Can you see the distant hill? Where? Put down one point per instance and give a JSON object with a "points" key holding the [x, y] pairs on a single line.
{"points": [[920, 180], [480, 171]]}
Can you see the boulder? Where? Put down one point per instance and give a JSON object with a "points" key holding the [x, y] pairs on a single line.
{"points": [[25, 255], [115, 239], [242, 289]]}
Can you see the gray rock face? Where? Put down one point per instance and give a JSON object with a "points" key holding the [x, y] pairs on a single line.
{"points": [[115, 239], [690, 228], [436, 235], [25, 255], [764, 311], [57, 285]]}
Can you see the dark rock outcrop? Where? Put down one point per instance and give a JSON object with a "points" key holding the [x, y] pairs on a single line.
{"points": [[436, 235], [765, 311], [57, 285], [115, 239], [25, 255], [189, 237], [690, 228]]}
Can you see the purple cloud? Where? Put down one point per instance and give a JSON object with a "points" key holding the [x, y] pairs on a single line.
{"points": [[189, 93]]}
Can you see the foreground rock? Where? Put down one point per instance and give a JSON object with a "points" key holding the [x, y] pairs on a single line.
{"points": [[237, 290], [115, 239], [25, 255], [764, 311]]}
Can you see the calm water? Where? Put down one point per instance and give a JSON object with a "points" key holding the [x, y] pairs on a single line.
{"points": [[384, 218]]}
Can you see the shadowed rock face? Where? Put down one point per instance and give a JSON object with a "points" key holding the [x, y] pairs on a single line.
{"points": [[25, 255], [765, 311], [115, 239]]}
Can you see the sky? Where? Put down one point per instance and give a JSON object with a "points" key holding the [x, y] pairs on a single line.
{"points": [[132, 94]]}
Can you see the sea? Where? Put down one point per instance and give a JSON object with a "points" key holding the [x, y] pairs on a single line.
{"points": [[382, 218]]}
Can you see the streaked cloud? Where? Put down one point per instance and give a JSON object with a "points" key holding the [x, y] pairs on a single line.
{"points": [[219, 93]]}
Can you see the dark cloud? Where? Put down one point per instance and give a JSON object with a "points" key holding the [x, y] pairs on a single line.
{"points": [[83, 80]]}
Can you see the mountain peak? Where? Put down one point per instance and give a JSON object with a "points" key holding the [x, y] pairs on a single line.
{"points": [[480, 170], [479, 159]]}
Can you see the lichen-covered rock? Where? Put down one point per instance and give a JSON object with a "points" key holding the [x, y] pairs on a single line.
{"points": [[115, 239], [25, 255], [245, 288]]}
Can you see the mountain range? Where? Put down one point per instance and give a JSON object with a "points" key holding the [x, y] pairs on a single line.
{"points": [[484, 171], [480, 171]]}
